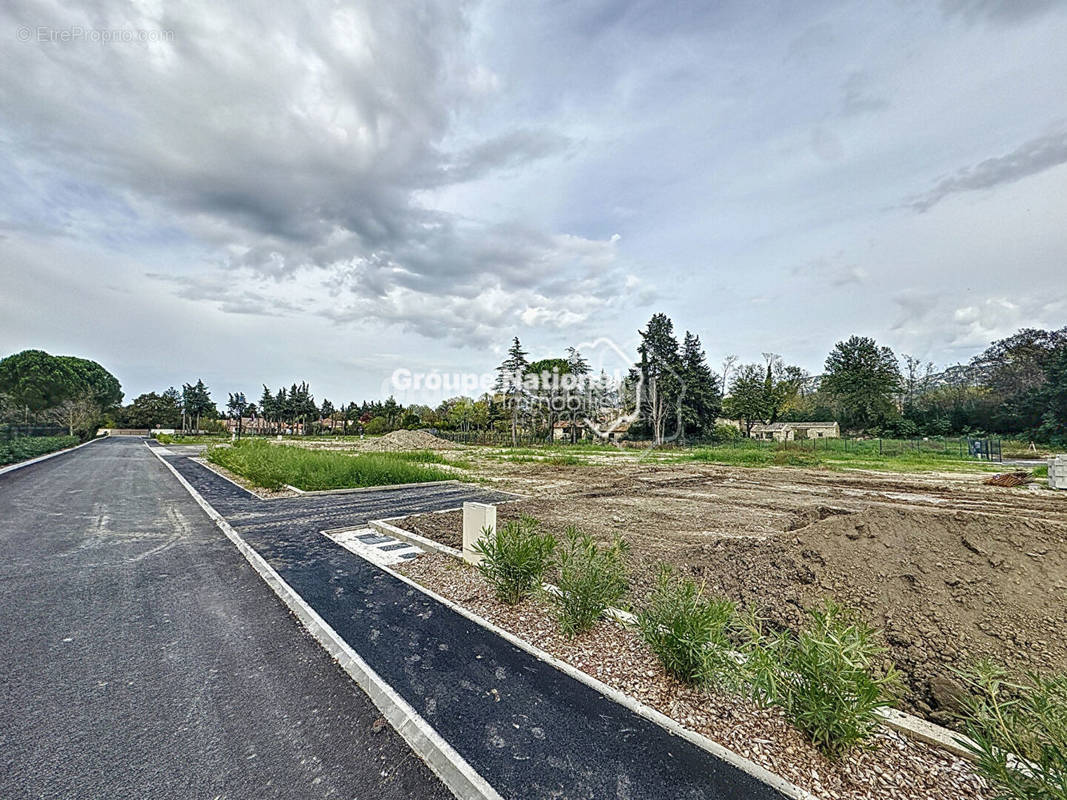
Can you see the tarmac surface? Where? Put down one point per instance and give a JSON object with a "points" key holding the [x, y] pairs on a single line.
{"points": [[143, 657]]}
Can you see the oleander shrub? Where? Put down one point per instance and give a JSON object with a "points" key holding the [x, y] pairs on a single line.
{"points": [[1018, 731], [689, 630], [825, 678], [514, 558], [590, 578]]}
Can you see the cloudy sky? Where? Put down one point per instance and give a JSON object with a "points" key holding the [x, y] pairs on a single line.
{"points": [[329, 191]]}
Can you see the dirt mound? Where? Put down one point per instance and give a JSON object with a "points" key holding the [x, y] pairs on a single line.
{"points": [[947, 587], [409, 440]]}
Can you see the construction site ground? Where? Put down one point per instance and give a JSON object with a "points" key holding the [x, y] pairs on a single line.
{"points": [[951, 569]]}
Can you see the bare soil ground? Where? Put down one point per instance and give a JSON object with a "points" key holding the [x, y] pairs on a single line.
{"points": [[951, 569]]}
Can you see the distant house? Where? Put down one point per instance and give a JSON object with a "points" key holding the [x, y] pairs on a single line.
{"points": [[792, 431], [561, 431], [248, 425]]}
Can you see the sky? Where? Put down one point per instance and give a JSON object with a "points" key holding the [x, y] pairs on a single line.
{"points": [[271, 192]]}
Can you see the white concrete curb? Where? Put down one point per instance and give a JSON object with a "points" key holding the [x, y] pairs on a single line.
{"points": [[382, 526], [46, 456], [453, 770]]}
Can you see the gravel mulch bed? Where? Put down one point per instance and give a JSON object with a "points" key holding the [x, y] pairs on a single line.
{"points": [[892, 766]]}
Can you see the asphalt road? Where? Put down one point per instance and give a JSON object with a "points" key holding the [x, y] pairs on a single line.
{"points": [[142, 657]]}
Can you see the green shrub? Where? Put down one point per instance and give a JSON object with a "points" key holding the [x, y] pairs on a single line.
{"points": [[24, 448], [726, 433], [1008, 720], [823, 678], [1041, 471], [515, 558], [590, 578], [688, 630]]}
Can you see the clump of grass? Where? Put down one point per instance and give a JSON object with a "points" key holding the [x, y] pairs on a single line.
{"points": [[1041, 471], [272, 466], [563, 460], [823, 678], [688, 630], [419, 456], [590, 578], [1009, 720], [514, 558]]}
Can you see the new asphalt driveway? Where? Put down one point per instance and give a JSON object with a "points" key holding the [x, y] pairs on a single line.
{"points": [[142, 657]]}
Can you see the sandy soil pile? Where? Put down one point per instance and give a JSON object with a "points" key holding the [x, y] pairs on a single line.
{"points": [[947, 587], [408, 440]]}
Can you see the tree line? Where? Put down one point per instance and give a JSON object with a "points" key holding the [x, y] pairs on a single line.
{"points": [[1016, 386]]}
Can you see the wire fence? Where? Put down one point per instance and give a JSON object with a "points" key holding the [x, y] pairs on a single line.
{"points": [[984, 449], [18, 431]]}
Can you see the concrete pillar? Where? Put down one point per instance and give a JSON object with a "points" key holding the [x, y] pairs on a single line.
{"points": [[1057, 472], [476, 518]]}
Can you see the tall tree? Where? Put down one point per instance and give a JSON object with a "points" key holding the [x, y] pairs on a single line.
{"points": [[748, 402], [236, 407], [35, 381], [1014, 372], [701, 402], [152, 410], [510, 382], [657, 378], [579, 403], [863, 379]]}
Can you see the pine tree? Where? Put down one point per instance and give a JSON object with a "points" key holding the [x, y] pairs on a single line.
{"points": [[658, 378], [579, 401], [701, 402], [511, 375], [268, 406]]}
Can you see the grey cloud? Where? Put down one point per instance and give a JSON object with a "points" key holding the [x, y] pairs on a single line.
{"points": [[295, 146], [859, 97], [1030, 158], [915, 307], [997, 10], [508, 150], [231, 294]]}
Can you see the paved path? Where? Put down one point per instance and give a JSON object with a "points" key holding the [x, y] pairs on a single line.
{"points": [[142, 657], [528, 729]]}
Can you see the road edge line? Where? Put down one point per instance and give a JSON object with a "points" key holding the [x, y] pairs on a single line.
{"points": [[443, 760], [46, 456]]}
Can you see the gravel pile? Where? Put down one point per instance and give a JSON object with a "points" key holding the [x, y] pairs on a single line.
{"points": [[893, 767], [408, 440]]}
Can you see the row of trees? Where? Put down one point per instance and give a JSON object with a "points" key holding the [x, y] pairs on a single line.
{"points": [[1017, 386]]}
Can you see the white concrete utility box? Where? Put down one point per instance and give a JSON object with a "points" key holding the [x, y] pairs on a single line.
{"points": [[477, 517], [1057, 472]]}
